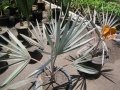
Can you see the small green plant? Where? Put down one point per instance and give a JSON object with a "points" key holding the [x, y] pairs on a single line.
{"points": [[110, 6], [25, 8], [3, 6]]}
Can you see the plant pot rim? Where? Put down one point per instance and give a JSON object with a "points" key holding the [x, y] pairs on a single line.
{"points": [[25, 25]]}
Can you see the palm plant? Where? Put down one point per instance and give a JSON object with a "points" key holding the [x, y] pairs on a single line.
{"points": [[17, 54], [63, 39]]}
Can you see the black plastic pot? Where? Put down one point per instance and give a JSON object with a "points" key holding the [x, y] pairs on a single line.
{"points": [[41, 6], [12, 21], [56, 13], [6, 35], [3, 66], [37, 15], [68, 85], [60, 81], [4, 20], [36, 55], [92, 65]]}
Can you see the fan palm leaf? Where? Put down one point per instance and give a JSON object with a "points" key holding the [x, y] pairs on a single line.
{"points": [[66, 37], [18, 53]]}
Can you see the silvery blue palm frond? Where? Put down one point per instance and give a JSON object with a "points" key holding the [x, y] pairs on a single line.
{"points": [[68, 36], [109, 19], [82, 58], [38, 35], [16, 48], [17, 54]]}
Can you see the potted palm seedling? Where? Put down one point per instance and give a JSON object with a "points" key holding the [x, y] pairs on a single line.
{"points": [[25, 8]]}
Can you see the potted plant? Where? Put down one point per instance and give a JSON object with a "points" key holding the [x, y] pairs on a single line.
{"points": [[25, 8], [4, 18]]}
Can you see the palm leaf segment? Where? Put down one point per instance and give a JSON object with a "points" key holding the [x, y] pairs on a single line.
{"points": [[65, 38], [15, 49], [85, 56]]}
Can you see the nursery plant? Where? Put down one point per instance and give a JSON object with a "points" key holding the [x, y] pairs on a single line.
{"points": [[25, 10], [63, 39]]}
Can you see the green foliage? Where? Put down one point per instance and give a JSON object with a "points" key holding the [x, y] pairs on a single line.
{"points": [[111, 6], [65, 2], [25, 6], [4, 4]]}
